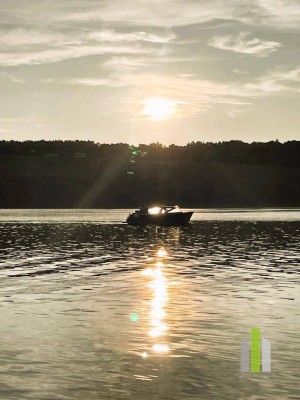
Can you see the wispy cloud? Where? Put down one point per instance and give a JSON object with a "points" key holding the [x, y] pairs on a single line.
{"points": [[169, 13], [174, 13], [243, 43], [274, 82], [5, 77], [90, 82], [31, 47], [28, 37], [67, 53], [195, 96], [113, 36], [191, 94], [120, 65], [278, 13]]}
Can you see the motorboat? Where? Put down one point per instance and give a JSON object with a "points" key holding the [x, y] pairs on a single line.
{"points": [[160, 215]]}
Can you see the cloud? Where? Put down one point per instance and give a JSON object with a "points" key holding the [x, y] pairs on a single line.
{"points": [[24, 37], [67, 53], [90, 82], [113, 36], [194, 95], [6, 78], [242, 43], [169, 13], [191, 93], [274, 82], [93, 82], [120, 65], [75, 35], [176, 13], [31, 47], [279, 13]]}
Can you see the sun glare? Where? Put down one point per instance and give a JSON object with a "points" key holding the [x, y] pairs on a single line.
{"points": [[158, 108], [155, 210]]}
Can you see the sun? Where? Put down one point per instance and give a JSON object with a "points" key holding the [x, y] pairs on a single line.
{"points": [[159, 108]]}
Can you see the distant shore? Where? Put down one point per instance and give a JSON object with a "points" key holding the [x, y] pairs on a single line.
{"points": [[86, 175]]}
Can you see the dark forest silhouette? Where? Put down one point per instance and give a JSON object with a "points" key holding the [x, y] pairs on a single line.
{"points": [[83, 174]]}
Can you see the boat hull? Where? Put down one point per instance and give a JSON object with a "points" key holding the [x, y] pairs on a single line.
{"points": [[167, 219]]}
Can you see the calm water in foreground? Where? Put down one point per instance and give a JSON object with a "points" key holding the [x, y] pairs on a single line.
{"points": [[94, 309]]}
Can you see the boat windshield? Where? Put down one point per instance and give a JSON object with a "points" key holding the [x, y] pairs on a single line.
{"points": [[172, 209]]}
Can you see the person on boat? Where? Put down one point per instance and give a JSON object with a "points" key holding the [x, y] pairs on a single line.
{"points": [[144, 209]]}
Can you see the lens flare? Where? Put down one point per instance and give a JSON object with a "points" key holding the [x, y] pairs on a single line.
{"points": [[134, 317]]}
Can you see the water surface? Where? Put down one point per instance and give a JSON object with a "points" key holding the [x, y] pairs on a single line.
{"points": [[94, 309]]}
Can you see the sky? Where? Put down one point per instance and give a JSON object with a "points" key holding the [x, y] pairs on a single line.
{"points": [[143, 71]]}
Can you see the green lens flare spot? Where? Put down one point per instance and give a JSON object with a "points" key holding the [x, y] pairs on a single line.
{"points": [[134, 317]]}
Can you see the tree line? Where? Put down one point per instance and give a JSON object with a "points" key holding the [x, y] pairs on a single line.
{"points": [[84, 174], [235, 151]]}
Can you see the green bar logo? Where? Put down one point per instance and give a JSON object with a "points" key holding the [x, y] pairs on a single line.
{"points": [[256, 353], [255, 350]]}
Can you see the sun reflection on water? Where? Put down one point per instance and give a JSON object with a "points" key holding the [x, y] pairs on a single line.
{"points": [[161, 253], [159, 289]]}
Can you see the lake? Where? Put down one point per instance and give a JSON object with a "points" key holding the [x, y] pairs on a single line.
{"points": [[94, 309]]}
